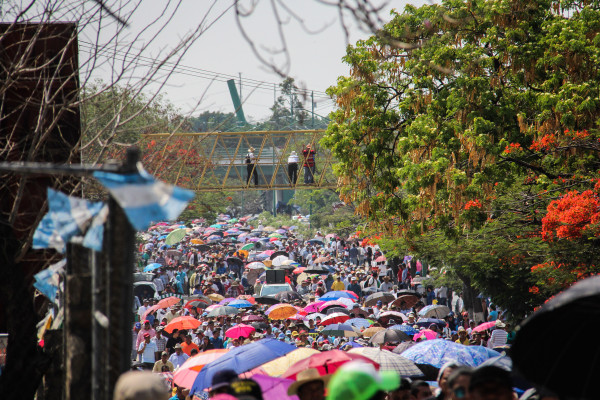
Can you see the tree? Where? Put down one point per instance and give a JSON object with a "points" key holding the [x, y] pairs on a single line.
{"points": [[461, 122], [210, 121]]}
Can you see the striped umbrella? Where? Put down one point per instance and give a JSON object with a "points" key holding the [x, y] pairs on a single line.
{"points": [[389, 361]]}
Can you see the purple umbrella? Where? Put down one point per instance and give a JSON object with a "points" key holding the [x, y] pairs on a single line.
{"points": [[274, 388], [226, 301]]}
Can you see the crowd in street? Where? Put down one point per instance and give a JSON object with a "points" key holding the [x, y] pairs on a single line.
{"points": [[376, 322]]}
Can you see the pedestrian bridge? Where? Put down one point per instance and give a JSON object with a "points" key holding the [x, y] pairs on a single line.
{"points": [[216, 161]]}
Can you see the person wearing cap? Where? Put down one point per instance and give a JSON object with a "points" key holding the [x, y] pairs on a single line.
{"points": [[179, 357], [357, 312], [361, 381], [147, 349], [355, 287], [309, 385], [463, 338], [163, 363], [490, 382], [251, 166], [309, 164], [499, 335], [136, 329], [293, 167], [146, 329]]}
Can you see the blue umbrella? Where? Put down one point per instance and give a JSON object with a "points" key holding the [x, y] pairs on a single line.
{"points": [[409, 330], [359, 323], [242, 359], [437, 352], [240, 304], [336, 294], [152, 267]]}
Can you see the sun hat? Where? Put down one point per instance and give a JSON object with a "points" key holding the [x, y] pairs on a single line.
{"points": [[140, 385], [360, 381], [306, 376], [499, 324]]}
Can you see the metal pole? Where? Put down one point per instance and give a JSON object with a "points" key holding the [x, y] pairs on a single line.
{"points": [[312, 101]]}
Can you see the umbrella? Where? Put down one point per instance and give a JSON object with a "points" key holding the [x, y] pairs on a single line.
{"points": [[316, 270], [197, 303], [175, 236], [252, 318], [279, 365], [240, 304], [395, 315], [185, 322], [212, 307], [434, 311], [428, 334], [409, 330], [389, 361], [248, 247], [281, 311], [169, 302], [315, 242], [202, 247], [269, 229], [384, 297], [405, 301], [425, 322], [314, 316], [274, 387], [152, 267], [320, 260], [331, 303], [484, 326], [326, 362], [247, 297], [291, 262], [438, 352], [341, 330], [299, 270], [380, 259], [223, 310], [187, 373], [149, 310], [359, 323], [288, 296], [389, 336], [335, 318], [215, 297], [337, 294], [281, 253], [266, 300], [572, 355], [332, 310], [239, 330], [226, 301], [372, 331], [235, 260], [260, 325], [242, 359], [256, 265], [402, 347]]}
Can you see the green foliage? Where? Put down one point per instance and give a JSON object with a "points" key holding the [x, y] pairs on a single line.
{"points": [[454, 132], [210, 121]]}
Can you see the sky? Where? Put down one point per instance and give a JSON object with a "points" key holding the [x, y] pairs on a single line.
{"points": [[315, 47]]}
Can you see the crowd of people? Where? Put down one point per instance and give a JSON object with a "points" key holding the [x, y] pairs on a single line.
{"points": [[343, 294]]}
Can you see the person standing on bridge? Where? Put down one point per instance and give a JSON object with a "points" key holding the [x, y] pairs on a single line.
{"points": [[251, 166], [309, 164], [293, 168]]}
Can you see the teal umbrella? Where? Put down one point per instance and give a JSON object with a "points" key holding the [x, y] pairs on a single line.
{"points": [[175, 236], [248, 247]]}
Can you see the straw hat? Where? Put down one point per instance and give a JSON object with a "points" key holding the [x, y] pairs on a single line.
{"points": [[306, 376]]}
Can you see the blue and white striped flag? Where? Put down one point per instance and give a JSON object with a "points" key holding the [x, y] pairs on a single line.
{"points": [[145, 199], [95, 234], [66, 217]]}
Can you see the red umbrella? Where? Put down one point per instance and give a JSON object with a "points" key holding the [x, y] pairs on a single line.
{"points": [[332, 303], [326, 362], [335, 318], [239, 330], [484, 326], [169, 302], [185, 322]]}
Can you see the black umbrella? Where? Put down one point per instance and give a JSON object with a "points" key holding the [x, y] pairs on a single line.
{"points": [[266, 300], [567, 364], [429, 371], [389, 336], [279, 253], [317, 270], [288, 296], [260, 325], [384, 297], [315, 241], [235, 260]]}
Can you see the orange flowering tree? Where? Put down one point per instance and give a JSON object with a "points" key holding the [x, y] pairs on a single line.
{"points": [[468, 131]]}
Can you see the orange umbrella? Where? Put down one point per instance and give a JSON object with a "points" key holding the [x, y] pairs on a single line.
{"points": [[282, 311], [185, 322], [169, 302], [187, 373]]}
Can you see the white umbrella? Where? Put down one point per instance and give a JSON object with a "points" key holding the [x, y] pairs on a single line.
{"points": [[278, 261]]}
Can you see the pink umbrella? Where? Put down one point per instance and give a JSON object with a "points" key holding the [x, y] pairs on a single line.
{"points": [[350, 292], [299, 270], [427, 333], [239, 330], [268, 252], [149, 310], [484, 326], [332, 303], [297, 317], [381, 259], [274, 388], [252, 318], [212, 307], [313, 307], [335, 318]]}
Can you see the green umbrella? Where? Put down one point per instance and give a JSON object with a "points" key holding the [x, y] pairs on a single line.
{"points": [[275, 235], [248, 246], [175, 236]]}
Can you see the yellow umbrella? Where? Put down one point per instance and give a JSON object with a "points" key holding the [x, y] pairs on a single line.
{"points": [[372, 330], [215, 297], [267, 263], [197, 241], [282, 311], [301, 277], [279, 365]]}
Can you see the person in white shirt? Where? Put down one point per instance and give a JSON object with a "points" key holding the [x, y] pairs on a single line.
{"points": [[499, 335], [179, 357], [293, 168]]}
